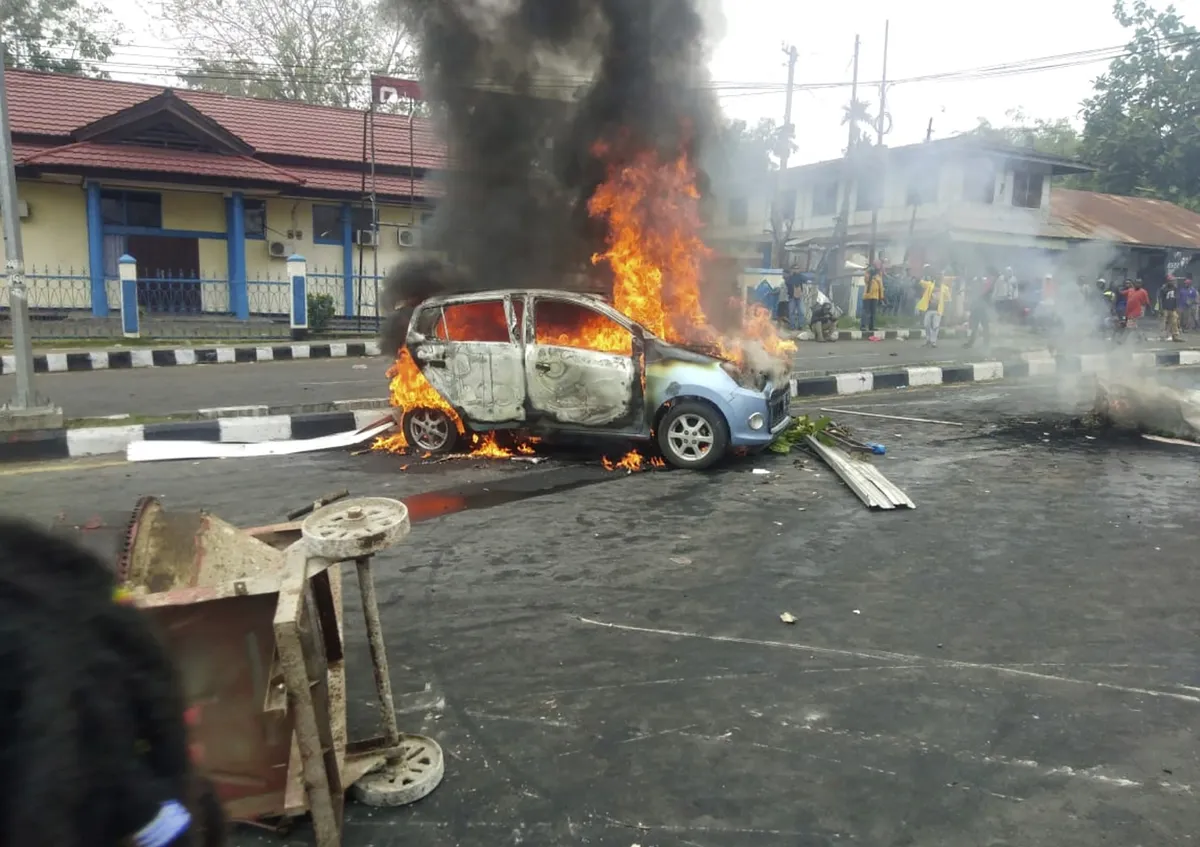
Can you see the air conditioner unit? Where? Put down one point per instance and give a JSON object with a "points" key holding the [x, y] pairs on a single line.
{"points": [[281, 249], [366, 238], [409, 236]]}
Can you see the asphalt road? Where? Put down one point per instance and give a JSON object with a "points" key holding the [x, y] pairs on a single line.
{"points": [[1013, 663], [163, 391]]}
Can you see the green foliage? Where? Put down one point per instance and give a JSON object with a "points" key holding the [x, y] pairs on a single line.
{"points": [[744, 151], [320, 312], [318, 51], [67, 36], [801, 428], [1142, 124]]}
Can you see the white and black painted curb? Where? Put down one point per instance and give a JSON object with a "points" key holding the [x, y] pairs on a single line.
{"points": [[884, 334], [242, 426], [102, 360], [858, 382]]}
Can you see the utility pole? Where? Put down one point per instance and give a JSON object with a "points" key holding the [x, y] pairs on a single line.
{"points": [[880, 152], [781, 223], [26, 410], [912, 221], [842, 229]]}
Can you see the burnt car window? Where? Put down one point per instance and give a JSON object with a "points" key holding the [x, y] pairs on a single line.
{"points": [[565, 324], [482, 321], [431, 325]]}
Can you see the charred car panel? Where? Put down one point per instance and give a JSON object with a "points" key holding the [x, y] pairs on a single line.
{"points": [[579, 387]]}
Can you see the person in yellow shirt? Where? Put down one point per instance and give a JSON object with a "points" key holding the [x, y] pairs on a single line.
{"points": [[935, 296], [872, 295]]}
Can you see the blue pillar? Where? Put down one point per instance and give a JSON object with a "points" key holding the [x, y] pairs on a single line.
{"points": [[95, 237], [235, 244], [348, 258]]}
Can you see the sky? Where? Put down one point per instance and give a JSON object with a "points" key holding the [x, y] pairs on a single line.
{"points": [[749, 68], [926, 37]]}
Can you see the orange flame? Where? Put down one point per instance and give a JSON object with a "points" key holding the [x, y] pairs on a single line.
{"points": [[632, 461], [485, 447], [409, 389], [657, 255]]}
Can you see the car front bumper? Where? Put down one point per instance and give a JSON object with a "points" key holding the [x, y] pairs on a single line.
{"points": [[748, 407]]}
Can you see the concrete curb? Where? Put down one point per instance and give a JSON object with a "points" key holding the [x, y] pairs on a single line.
{"points": [[37, 445], [921, 376], [885, 334], [100, 360]]}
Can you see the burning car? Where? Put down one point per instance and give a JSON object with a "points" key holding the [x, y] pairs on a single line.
{"points": [[553, 362]]}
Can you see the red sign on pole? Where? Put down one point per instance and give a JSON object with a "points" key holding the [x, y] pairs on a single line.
{"points": [[390, 89]]}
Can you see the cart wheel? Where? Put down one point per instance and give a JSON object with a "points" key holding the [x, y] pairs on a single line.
{"points": [[354, 528], [406, 779]]}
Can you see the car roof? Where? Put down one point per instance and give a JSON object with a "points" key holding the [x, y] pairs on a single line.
{"points": [[495, 294]]}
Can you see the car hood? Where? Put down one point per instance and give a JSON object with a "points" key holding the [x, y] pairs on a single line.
{"points": [[759, 369]]}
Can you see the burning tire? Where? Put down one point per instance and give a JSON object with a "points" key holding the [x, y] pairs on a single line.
{"points": [[429, 430], [693, 435]]}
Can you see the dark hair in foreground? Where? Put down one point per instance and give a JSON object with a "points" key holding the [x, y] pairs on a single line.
{"points": [[93, 747]]}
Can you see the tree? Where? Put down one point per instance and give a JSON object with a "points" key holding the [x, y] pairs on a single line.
{"points": [[857, 113], [751, 156], [67, 36], [1055, 138], [319, 51], [1142, 124], [752, 151]]}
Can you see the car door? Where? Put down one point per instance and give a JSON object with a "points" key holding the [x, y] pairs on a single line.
{"points": [[582, 364], [471, 353]]}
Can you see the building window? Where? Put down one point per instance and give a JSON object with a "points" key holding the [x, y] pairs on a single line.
{"points": [[825, 198], [866, 194], [979, 183], [922, 187], [327, 224], [1027, 190], [739, 211], [254, 218], [131, 208]]}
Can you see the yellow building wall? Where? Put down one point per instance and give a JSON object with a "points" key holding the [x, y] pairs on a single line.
{"points": [[288, 216], [55, 238], [54, 241]]}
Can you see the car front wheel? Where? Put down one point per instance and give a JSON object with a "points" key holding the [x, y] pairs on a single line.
{"points": [[693, 435], [430, 430]]}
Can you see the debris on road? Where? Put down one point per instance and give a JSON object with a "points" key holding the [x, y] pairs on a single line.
{"points": [[890, 417], [863, 478], [787, 618], [163, 451]]}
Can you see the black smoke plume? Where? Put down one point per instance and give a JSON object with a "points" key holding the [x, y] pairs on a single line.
{"points": [[523, 91]]}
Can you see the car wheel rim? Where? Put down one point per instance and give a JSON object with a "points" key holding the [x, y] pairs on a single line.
{"points": [[430, 429], [691, 437]]}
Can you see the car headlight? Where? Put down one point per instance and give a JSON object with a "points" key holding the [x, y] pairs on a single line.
{"points": [[756, 421]]}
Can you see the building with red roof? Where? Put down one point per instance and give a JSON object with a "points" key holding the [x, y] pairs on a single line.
{"points": [[211, 194]]}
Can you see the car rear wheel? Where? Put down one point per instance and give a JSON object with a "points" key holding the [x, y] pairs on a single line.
{"points": [[693, 435], [430, 430]]}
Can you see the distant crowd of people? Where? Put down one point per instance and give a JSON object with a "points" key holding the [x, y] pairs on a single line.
{"points": [[1110, 309]]}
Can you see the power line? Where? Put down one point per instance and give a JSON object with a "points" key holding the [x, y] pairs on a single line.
{"points": [[331, 75]]}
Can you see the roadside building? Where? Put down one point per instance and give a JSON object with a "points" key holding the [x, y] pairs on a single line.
{"points": [[210, 194], [959, 203]]}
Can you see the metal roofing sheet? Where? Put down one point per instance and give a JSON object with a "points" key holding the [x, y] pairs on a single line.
{"points": [[1136, 221]]}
